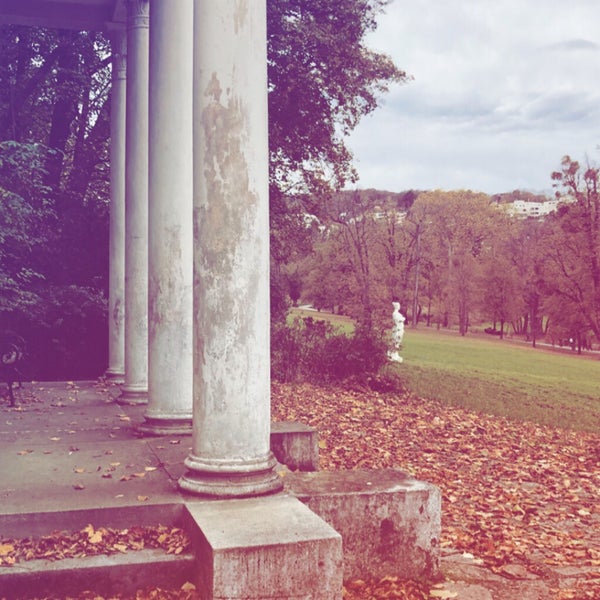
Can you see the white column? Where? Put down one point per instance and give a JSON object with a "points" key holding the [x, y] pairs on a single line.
{"points": [[135, 388], [116, 277], [170, 232], [230, 454]]}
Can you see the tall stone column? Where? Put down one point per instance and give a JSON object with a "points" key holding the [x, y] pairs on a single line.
{"points": [[116, 277], [170, 233], [135, 388], [231, 424]]}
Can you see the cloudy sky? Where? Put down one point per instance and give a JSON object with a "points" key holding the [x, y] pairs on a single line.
{"points": [[502, 90]]}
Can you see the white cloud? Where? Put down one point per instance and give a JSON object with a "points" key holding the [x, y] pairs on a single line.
{"points": [[502, 90]]}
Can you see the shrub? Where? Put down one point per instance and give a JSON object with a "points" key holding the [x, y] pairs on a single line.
{"points": [[312, 350]]}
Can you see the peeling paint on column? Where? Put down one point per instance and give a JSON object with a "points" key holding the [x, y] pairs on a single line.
{"points": [[117, 313], [229, 212]]}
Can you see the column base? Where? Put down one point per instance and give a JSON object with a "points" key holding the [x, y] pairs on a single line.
{"points": [[115, 376], [132, 396], [157, 426], [226, 479]]}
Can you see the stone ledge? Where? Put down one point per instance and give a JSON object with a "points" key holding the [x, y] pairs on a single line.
{"points": [[295, 445], [22, 525], [389, 522]]}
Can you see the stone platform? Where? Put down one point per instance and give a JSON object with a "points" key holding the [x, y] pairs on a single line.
{"points": [[71, 457], [236, 541]]}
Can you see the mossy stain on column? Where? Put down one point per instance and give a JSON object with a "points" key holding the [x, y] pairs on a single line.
{"points": [[226, 218]]}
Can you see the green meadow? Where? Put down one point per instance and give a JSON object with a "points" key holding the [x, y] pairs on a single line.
{"points": [[504, 378], [341, 323], [501, 377]]}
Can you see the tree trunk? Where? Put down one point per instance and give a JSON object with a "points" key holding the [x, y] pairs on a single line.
{"points": [[63, 114]]}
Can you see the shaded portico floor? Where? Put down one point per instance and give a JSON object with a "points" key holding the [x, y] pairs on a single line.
{"points": [[68, 446]]}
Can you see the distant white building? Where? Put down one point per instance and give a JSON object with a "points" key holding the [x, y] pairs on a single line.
{"points": [[379, 214], [526, 208]]}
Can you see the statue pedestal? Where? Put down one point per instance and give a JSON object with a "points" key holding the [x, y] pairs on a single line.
{"points": [[394, 356]]}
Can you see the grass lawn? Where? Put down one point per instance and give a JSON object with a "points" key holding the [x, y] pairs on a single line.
{"points": [[342, 323], [503, 378]]}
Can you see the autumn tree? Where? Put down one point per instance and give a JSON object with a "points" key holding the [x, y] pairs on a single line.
{"points": [[326, 276], [501, 293], [419, 267], [354, 231], [572, 269], [392, 246], [458, 228], [527, 252], [322, 80]]}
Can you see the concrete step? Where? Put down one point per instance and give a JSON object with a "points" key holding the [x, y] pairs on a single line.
{"points": [[123, 573], [38, 524]]}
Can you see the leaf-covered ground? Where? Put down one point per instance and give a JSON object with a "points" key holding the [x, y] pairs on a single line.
{"points": [[513, 492]]}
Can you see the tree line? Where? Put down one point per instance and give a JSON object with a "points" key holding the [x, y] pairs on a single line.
{"points": [[458, 259]]}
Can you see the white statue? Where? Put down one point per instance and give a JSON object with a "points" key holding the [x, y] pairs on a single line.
{"points": [[397, 333]]}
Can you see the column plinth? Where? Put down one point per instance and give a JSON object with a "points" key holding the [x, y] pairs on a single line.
{"points": [[117, 376], [231, 478], [133, 395], [163, 424]]}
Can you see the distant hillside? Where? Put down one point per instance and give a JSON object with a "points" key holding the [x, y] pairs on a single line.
{"points": [[402, 201], [509, 197]]}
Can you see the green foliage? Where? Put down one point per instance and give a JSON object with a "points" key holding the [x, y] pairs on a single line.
{"points": [[312, 350], [322, 81], [54, 184], [25, 223]]}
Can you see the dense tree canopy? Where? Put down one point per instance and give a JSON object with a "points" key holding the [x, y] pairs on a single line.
{"points": [[322, 80], [54, 168], [54, 115]]}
